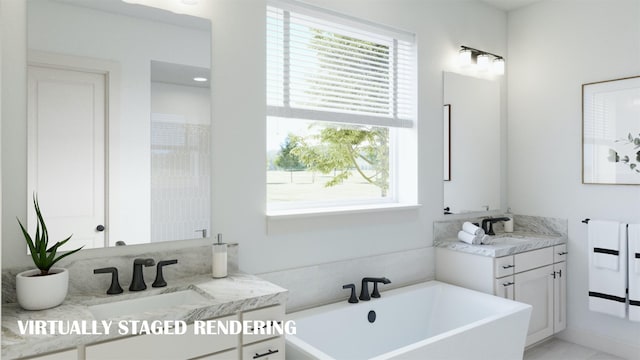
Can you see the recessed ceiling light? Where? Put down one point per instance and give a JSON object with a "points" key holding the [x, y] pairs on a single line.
{"points": [[199, 79]]}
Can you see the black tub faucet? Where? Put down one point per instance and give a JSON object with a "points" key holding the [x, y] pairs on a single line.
{"points": [[159, 281], [364, 290], [137, 282], [352, 299]]}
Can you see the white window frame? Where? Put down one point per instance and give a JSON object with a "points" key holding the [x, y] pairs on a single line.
{"points": [[402, 193]]}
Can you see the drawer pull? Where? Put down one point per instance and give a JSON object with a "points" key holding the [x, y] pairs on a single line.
{"points": [[508, 284], [562, 253], [267, 323], [269, 352], [507, 266]]}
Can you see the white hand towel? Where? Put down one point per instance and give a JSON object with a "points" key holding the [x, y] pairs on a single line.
{"points": [[607, 287], [468, 238], [604, 244], [472, 229], [634, 272]]}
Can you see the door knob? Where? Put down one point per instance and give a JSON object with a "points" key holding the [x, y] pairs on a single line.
{"points": [[100, 228]]}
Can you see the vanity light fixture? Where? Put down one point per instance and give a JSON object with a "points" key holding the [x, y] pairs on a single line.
{"points": [[199, 79], [482, 59]]}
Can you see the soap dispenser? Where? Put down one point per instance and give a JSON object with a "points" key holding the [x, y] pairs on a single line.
{"points": [[219, 260], [508, 225]]}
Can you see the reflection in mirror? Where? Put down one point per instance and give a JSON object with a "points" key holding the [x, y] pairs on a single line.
{"points": [[473, 136], [118, 121]]}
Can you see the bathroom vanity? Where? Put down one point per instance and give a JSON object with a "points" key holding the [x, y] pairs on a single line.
{"points": [[236, 298], [525, 266]]}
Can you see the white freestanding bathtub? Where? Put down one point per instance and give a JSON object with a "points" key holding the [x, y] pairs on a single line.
{"points": [[431, 320]]}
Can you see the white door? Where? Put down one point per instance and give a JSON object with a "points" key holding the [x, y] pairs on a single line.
{"points": [[560, 297], [535, 287], [66, 154]]}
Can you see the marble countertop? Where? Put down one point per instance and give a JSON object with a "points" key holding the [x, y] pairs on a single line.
{"points": [[500, 244], [226, 296]]}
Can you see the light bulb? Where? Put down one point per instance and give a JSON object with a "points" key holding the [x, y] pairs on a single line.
{"points": [[464, 57], [483, 62], [498, 66]]}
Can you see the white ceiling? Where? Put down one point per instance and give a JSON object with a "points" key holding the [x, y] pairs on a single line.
{"points": [[508, 5]]}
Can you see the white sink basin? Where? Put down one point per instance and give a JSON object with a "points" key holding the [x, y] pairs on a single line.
{"points": [[146, 304], [506, 241]]}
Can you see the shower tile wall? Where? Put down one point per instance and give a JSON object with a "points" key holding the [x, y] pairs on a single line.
{"points": [[180, 180]]}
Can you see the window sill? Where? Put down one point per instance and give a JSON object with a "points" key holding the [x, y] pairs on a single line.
{"points": [[338, 210]]}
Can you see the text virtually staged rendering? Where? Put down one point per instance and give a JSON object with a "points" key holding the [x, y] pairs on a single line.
{"points": [[320, 179]]}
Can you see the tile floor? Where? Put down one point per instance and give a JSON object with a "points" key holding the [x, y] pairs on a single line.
{"points": [[556, 349]]}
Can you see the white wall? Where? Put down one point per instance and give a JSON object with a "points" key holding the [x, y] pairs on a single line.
{"points": [[555, 47]]}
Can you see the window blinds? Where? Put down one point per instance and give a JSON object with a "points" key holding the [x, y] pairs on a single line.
{"points": [[328, 67]]}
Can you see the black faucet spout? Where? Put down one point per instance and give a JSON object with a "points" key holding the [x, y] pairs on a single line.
{"points": [[364, 290], [137, 282], [487, 224]]}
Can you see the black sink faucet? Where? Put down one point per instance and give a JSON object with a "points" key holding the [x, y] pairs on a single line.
{"points": [[487, 224], [364, 290], [137, 282]]}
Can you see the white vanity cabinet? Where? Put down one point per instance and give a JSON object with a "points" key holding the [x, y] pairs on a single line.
{"points": [[264, 346], [536, 277], [151, 346]]}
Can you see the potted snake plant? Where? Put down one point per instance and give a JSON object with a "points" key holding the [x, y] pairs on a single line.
{"points": [[46, 286]]}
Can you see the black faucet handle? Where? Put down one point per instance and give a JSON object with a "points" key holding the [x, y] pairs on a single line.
{"points": [[159, 281], [375, 293], [352, 299], [115, 287]]}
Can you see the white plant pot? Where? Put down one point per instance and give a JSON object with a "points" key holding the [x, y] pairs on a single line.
{"points": [[42, 292]]}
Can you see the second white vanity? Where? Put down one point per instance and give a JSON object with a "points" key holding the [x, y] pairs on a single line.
{"points": [[526, 266]]}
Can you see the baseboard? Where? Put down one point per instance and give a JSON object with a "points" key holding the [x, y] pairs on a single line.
{"points": [[601, 343]]}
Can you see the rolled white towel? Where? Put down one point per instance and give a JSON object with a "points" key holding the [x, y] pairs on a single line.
{"points": [[484, 239], [468, 238], [472, 229]]}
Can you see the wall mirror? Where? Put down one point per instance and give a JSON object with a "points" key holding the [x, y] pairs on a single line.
{"points": [[471, 118], [118, 122]]}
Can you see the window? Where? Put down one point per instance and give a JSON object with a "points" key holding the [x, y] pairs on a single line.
{"points": [[340, 105]]}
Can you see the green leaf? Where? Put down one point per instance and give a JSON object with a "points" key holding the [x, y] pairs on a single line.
{"points": [[42, 257]]}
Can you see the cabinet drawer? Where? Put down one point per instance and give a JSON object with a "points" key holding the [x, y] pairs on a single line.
{"points": [[533, 259], [503, 266], [260, 316], [560, 253], [503, 287], [152, 346], [267, 350]]}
